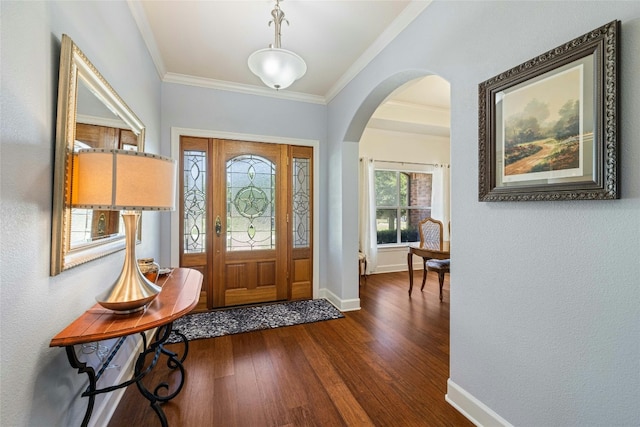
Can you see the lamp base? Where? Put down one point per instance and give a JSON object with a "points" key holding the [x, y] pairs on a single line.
{"points": [[120, 297], [132, 291]]}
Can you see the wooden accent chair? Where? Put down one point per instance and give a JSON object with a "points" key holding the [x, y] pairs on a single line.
{"points": [[362, 266], [431, 237]]}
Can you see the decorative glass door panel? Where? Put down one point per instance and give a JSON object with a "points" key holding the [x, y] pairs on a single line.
{"points": [[300, 253], [301, 193], [194, 213], [195, 184], [251, 203]]}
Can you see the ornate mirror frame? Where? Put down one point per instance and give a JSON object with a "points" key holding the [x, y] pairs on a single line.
{"points": [[76, 71]]}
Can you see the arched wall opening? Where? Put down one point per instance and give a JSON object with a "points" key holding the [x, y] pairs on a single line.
{"points": [[404, 125]]}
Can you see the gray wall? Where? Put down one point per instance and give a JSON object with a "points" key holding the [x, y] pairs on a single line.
{"points": [[39, 388], [544, 300], [545, 324]]}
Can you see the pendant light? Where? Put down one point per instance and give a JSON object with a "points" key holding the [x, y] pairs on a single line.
{"points": [[277, 68]]}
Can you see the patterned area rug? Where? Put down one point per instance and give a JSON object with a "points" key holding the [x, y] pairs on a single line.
{"points": [[246, 319]]}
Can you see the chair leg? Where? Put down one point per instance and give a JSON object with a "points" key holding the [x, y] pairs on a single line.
{"points": [[424, 273], [365, 271], [441, 280]]}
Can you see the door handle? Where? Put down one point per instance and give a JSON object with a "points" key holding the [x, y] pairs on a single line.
{"points": [[218, 226]]}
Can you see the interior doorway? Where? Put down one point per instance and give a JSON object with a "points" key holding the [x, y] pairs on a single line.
{"points": [[408, 134]]}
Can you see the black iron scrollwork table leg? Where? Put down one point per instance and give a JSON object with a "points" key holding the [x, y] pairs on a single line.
{"points": [[156, 349]]}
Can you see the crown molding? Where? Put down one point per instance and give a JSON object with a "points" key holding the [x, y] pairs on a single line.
{"points": [[407, 16], [147, 35], [242, 88], [100, 121], [395, 126], [417, 107], [409, 117], [413, 9]]}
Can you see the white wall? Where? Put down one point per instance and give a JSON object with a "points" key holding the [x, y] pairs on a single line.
{"points": [[39, 388], [395, 146], [544, 301]]}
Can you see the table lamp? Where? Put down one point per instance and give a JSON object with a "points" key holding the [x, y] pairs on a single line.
{"points": [[127, 181]]}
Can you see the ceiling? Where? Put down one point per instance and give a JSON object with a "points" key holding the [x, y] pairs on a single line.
{"points": [[207, 42]]}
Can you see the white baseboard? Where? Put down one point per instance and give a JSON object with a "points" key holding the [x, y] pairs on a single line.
{"points": [[475, 411], [392, 268], [342, 305]]}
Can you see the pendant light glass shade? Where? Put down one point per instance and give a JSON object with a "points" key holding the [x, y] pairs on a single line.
{"points": [[277, 68]]}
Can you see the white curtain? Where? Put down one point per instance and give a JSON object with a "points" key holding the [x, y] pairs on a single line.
{"points": [[440, 197], [367, 214]]}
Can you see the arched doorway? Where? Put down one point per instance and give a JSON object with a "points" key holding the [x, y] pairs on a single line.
{"points": [[404, 156]]}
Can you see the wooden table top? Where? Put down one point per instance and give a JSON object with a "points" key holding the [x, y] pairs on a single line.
{"points": [[432, 252], [179, 295]]}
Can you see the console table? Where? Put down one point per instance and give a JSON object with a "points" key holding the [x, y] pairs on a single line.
{"points": [[179, 295]]}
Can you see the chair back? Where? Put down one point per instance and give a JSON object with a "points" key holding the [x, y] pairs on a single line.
{"points": [[430, 233]]}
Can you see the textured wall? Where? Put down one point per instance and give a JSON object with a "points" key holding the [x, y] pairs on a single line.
{"points": [[544, 302], [39, 388]]}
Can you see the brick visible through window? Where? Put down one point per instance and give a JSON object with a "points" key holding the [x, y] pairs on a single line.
{"points": [[403, 199]]}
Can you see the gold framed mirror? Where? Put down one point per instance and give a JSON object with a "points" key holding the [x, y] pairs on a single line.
{"points": [[90, 115]]}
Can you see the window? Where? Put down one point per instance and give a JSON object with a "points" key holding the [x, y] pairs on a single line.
{"points": [[403, 199]]}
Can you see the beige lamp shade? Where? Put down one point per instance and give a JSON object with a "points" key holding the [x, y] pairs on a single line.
{"points": [[129, 181], [109, 179]]}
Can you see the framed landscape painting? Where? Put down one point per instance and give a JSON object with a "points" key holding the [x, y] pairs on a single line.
{"points": [[548, 127]]}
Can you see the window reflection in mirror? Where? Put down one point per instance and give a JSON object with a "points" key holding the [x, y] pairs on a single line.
{"points": [[90, 115], [97, 127]]}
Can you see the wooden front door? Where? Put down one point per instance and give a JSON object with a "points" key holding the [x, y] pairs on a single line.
{"points": [[250, 242], [238, 220]]}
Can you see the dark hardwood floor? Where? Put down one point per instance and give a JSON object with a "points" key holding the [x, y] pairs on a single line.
{"points": [[384, 365]]}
